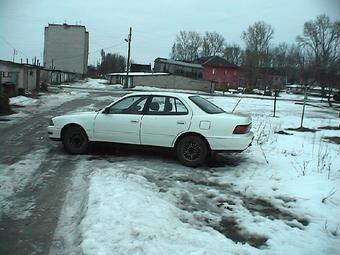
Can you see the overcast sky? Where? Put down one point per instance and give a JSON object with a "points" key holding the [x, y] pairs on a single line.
{"points": [[155, 23]]}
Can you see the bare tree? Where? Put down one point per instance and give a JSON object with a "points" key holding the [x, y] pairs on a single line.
{"points": [[257, 38], [279, 56], [111, 62], [321, 41], [186, 46], [295, 65], [233, 54], [212, 44]]}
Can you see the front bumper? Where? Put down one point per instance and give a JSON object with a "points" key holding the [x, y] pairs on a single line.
{"points": [[54, 133]]}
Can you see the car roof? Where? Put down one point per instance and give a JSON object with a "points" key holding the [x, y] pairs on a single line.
{"points": [[161, 93]]}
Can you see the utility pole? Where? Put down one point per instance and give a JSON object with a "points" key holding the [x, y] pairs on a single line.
{"points": [[14, 53], [304, 106], [275, 95], [126, 85]]}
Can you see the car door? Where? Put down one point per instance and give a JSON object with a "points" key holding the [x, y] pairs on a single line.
{"points": [[120, 123], [165, 118]]}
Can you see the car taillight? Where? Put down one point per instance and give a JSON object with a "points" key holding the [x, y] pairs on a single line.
{"points": [[242, 129]]}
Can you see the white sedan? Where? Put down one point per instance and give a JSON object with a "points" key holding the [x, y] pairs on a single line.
{"points": [[191, 125]]}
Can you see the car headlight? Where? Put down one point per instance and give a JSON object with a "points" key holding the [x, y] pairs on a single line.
{"points": [[51, 123]]}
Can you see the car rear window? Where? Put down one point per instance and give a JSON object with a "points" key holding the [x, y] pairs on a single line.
{"points": [[205, 105]]}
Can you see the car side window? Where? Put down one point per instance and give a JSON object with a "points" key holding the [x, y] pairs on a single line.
{"points": [[180, 108], [161, 105], [129, 105]]}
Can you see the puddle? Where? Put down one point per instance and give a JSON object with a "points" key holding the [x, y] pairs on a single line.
{"points": [[302, 129], [281, 132], [268, 210], [229, 227]]}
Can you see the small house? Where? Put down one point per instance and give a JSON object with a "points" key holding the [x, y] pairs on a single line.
{"points": [[219, 70], [15, 77]]}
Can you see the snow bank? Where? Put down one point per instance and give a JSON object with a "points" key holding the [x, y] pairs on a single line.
{"points": [[94, 84], [127, 215], [23, 101], [46, 101], [296, 171]]}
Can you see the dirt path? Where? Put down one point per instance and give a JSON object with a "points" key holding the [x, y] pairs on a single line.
{"points": [[44, 194]]}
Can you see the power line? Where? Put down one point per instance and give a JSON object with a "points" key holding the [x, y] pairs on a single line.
{"points": [[95, 51], [12, 46]]}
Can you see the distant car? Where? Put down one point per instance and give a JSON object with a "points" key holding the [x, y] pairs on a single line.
{"points": [[191, 125]]}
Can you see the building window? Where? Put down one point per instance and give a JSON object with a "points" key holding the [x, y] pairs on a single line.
{"points": [[5, 74], [213, 71]]}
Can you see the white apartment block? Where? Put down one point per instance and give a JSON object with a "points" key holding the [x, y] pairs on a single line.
{"points": [[66, 48]]}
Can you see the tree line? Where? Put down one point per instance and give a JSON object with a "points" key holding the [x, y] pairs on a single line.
{"points": [[109, 63], [313, 59]]}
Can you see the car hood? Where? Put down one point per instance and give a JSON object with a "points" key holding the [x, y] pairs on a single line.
{"points": [[92, 113], [77, 115]]}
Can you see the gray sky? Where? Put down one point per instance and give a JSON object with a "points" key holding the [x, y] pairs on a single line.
{"points": [[155, 23]]}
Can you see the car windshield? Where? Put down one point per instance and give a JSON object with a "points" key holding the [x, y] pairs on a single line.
{"points": [[205, 105]]}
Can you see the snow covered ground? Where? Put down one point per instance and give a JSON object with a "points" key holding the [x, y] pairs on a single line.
{"points": [[94, 84], [279, 197], [24, 106]]}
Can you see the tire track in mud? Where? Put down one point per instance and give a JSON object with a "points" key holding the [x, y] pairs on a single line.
{"points": [[216, 204], [221, 200]]}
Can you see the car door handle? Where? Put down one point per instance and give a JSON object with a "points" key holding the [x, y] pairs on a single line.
{"points": [[134, 121], [180, 122]]}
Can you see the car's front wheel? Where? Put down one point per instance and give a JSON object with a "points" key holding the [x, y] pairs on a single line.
{"points": [[192, 150], [75, 140]]}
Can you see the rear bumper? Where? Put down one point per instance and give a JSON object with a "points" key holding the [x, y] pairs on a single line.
{"points": [[231, 143]]}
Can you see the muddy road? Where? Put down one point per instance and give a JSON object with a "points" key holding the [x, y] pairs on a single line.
{"points": [[28, 222]]}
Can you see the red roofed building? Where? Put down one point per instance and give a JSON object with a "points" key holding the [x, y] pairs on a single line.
{"points": [[219, 70]]}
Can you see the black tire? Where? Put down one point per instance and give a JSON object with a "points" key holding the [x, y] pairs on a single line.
{"points": [[75, 140], [192, 151]]}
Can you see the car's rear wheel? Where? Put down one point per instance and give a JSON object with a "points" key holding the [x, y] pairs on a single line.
{"points": [[75, 140], [192, 150]]}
